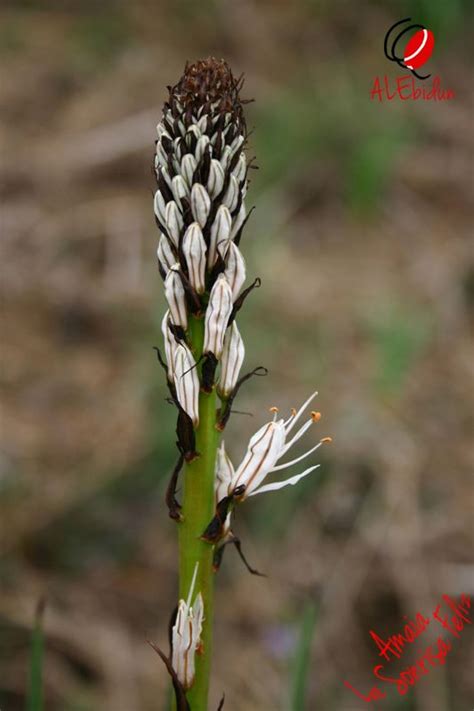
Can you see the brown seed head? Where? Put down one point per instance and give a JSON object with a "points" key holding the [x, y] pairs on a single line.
{"points": [[205, 83]]}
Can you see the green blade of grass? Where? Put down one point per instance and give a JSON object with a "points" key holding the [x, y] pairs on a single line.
{"points": [[35, 694], [301, 664]]}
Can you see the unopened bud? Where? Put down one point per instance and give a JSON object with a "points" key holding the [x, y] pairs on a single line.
{"points": [[165, 254], [194, 250], [186, 382], [200, 203], [218, 312], [188, 166], [179, 188], [220, 232], [233, 355], [170, 345], [216, 178], [240, 169], [175, 296], [231, 196], [235, 271], [159, 206], [174, 222]]}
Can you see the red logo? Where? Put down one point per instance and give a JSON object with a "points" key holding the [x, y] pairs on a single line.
{"points": [[417, 50]]}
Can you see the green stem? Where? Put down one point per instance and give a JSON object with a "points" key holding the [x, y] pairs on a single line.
{"points": [[198, 510]]}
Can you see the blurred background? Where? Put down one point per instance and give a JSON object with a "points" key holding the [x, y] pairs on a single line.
{"points": [[361, 237]]}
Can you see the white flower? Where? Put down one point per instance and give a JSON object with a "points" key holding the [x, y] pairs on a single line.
{"points": [[266, 447], [186, 381], [200, 203], [218, 312], [186, 635], [233, 356]]}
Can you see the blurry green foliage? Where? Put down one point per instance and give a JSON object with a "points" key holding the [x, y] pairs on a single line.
{"points": [[398, 337], [302, 661]]}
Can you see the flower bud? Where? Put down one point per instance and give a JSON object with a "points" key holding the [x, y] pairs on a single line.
{"points": [[240, 169], [231, 362], [220, 232], [235, 269], [216, 178], [174, 222], [170, 345], [179, 188], [186, 636], [175, 296], [159, 206], [201, 146], [200, 204], [165, 254], [231, 196], [194, 250], [224, 474], [218, 312], [186, 381], [238, 221], [188, 166]]}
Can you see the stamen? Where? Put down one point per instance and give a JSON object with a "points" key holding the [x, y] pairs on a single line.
{"points": [[193, 582], [274, 409], [298, 459], [298, 414], [297, 436], [316, 416], [326, 439]]}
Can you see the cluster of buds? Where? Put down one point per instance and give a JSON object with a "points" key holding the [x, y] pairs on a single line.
{"points": [[201, 171]]}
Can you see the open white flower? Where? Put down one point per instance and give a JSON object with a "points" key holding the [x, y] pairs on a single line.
{"points": [[266, 448], [186, 635]]}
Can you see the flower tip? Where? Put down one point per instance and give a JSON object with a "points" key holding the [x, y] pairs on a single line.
{"points": [[316, 416], [326, 439], [274, 410]]}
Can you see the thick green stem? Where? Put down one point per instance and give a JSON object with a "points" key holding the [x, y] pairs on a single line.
{"points": [[198, 510]]}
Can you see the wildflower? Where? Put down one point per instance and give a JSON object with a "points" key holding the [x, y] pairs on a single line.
{"points": [[231, 361], [186, 381], [266, 448], [186, 635]]}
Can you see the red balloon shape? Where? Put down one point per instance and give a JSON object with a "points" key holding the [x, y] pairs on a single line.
{"points": [[419, 49]]}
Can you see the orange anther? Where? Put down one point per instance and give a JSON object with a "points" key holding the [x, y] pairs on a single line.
{"points": [[315, 416], [293, 411], [326, 439], [273, 409]]}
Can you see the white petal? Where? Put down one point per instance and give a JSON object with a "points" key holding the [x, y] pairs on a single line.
{"points": [[179, 188], [186, 382], [165, 254], [274, 486], [159, 206], [175, 296]]}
